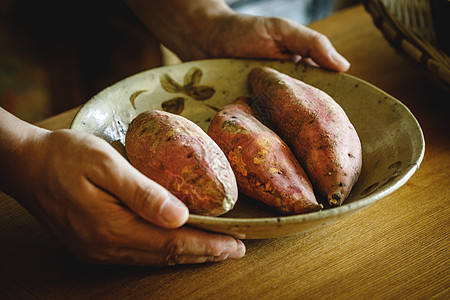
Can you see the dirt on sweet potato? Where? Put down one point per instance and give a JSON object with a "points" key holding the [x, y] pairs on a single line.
{"points": [[180, 156], [264, 166], [315, 126]]}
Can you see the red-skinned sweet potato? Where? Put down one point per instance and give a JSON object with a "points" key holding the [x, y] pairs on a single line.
{"points": [[264, 166], [316, 127], [180, 156]]}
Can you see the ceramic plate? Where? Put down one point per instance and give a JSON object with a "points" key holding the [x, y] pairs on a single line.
{"points": [[392, 140]]}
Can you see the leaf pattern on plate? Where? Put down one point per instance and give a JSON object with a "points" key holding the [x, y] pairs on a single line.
{"points": [[134, 96], [174, 105], [201, 92], [170, 85], [190, 85], [193, 77]]}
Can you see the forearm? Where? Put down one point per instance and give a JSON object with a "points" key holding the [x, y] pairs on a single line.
{"points": [[19, 150], [181, 25]]}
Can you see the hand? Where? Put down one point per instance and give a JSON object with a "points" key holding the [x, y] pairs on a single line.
{"points": [[210, 28], [102, 209], [248, 36]]}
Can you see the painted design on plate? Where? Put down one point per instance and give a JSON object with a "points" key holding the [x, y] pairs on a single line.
{"points": [[134, 96], [394, 170], [174, 105], [191, 87]]}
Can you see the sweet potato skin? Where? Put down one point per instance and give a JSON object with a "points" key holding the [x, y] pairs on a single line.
{"points": [[264, 166], [316, 127], [180, 156]]}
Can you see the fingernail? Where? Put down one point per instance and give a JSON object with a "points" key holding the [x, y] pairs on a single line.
{"points": [[340, 61], [174, 212], [240, 252]]}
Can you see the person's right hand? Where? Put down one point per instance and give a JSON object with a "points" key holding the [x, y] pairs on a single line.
{"points": [[100, 207]]}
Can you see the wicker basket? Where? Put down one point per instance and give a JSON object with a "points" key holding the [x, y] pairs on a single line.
{"points": [[409, 27]]}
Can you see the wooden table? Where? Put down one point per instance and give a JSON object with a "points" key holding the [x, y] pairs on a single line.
{"points": [[397, 248]]}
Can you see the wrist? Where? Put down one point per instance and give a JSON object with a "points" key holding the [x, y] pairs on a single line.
{"points": [[21, 146]]}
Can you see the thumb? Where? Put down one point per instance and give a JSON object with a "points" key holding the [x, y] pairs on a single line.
{"points": [[155, 204], [143, 196]]}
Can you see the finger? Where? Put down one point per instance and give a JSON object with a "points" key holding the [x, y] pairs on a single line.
{"points": [[309, 43], [142, 258], [143, 196], [118, 228], [180, 256], [126, 238], [310, 62], [139, 234]]}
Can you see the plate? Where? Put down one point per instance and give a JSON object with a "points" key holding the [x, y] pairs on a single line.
{"points": [[392, 140]]}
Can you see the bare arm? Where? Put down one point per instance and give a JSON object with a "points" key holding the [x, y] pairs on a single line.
{"points": [[209, 28]]}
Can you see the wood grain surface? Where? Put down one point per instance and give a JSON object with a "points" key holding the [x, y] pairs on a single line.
{"points": [[397, 248]]}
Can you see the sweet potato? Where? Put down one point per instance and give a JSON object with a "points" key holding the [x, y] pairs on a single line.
{"points": [[180, 156], [265, 168], [316, 127]]}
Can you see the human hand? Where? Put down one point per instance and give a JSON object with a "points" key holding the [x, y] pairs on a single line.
{"points": [[211, 29], [105, 211], [248, 36]]}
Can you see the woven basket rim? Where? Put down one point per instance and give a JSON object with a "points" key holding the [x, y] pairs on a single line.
{"points": [[425, 56]]}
